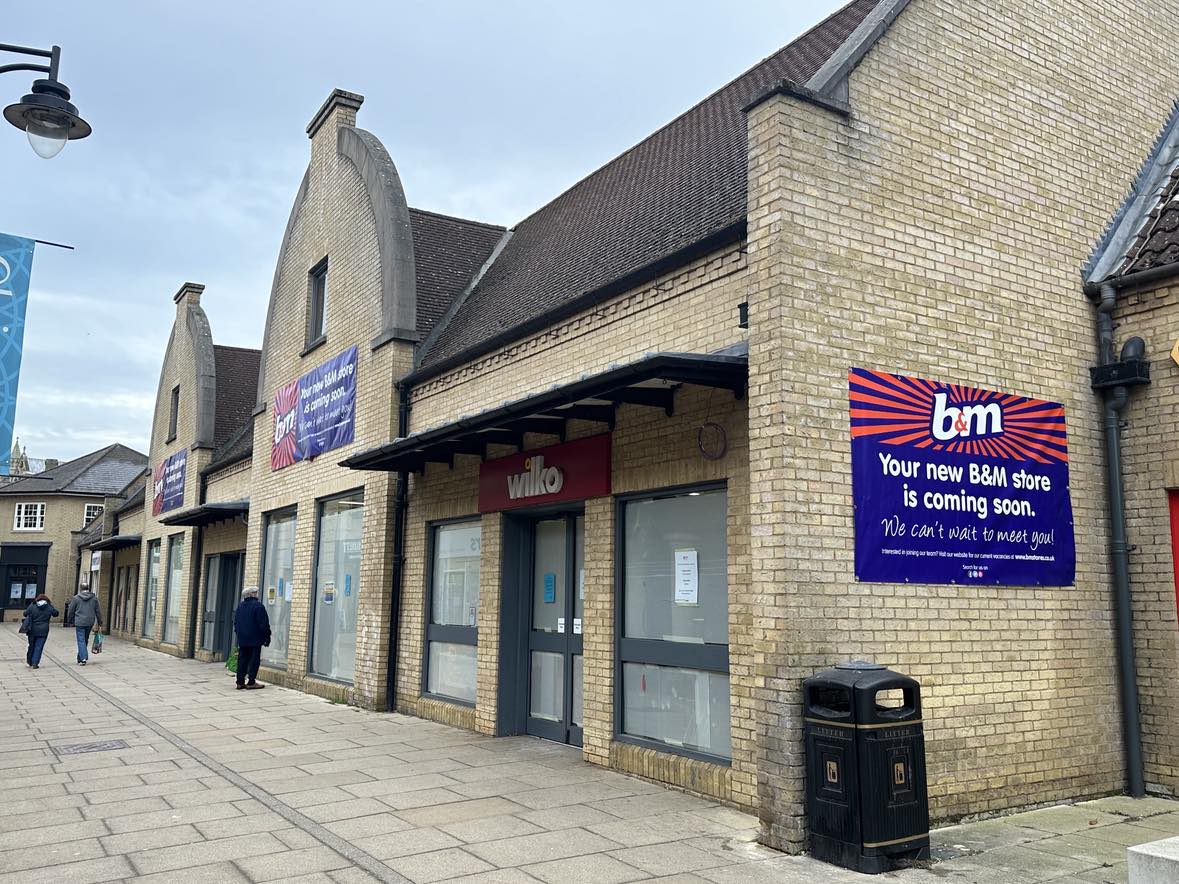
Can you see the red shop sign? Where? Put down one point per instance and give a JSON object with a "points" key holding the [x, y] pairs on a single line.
{"points": [[570, 471]]}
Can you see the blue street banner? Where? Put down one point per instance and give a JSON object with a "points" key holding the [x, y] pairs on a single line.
{"points": [[16, 267], [958, 485], [315, 413]]}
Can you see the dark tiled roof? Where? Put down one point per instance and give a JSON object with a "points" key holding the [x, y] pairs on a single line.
{"points": [[135, 500], [236, 448], [681, 186], [447, 253], [104, 472], [237, 389], [1158, 241]]}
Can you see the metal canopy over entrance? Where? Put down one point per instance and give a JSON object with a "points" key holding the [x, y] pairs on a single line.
{"points": [[208, 514], [118, 541], [650, 382]]}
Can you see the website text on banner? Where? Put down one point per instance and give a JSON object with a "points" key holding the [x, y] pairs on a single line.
{"points": [[16, 267], [315, 413], [954, 484]]}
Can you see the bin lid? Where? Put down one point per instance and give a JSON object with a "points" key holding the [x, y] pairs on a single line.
{"points": [[858, 665]]}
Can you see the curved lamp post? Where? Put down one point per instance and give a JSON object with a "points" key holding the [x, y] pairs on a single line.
{"points": [[45, 114]]}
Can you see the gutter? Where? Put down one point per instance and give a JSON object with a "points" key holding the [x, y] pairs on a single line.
{"points": [[1113, 379], [400, 514]]}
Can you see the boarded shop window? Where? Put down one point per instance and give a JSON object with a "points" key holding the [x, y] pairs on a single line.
{"points": [[674, 649], [451, 635], [278, 566], [153, 588], [317, 304], [29, 517], [337, 587], [173, 592], [173, 414]]}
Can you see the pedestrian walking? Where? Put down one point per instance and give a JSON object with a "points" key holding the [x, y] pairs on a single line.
{"points": [[252, 625], [83, 614], [36, 625]]}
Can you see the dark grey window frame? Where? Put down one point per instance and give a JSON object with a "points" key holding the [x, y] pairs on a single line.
{"points": [[314, 594], [171, 538], [317, 295], [174, 414], [147, 589], [436, 632], [684, 655], [267, 518]]}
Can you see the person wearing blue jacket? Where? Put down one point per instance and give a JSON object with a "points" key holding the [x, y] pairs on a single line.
{"points": [[252, 625], [36, 626]]}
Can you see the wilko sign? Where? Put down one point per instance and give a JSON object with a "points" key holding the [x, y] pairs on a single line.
{"points": [[570, 471], [955, 484]]}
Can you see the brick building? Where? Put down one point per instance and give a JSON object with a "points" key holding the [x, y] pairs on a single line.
{"points": [[43, 517], [591, 477]]}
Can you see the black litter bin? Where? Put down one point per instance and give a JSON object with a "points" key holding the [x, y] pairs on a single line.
{"points": [[865, 756]]}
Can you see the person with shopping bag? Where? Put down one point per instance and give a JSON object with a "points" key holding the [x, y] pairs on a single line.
{"points": [[84, 614], [252, 625], [36, 626]]}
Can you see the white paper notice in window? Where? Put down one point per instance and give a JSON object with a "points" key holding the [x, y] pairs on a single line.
{"points": [[687, 577]]}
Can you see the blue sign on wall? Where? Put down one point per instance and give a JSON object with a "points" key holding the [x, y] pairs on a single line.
{"points": [[316, 412], [955, 484], [16, 265], [168, 483]]}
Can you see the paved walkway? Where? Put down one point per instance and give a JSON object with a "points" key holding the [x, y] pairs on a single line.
{"points": [[199, 782]]}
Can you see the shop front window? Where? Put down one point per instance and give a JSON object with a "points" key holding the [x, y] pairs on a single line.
{"points": [[153, 588], [276, 591], [451, 633], [337, 587], [173, 591], [675, 636]]}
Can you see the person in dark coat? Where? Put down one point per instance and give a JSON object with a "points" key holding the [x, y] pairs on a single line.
{"points": [[38, 614], [252, 625]]}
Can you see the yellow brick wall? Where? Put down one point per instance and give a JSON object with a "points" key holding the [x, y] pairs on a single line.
{"points": [[939, 232], [64, 515], [335, 220], [179, 368], [1150, 455]]}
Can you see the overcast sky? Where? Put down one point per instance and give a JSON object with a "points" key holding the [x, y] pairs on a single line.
{"points": [[489, 110]]}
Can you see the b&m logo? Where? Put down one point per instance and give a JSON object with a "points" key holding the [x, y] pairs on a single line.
{"points": [[965, 421], [924, 415]]}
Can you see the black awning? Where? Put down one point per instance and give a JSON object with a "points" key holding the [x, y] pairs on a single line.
{"points": [[650, 381], [118, 541], [207, 514]]}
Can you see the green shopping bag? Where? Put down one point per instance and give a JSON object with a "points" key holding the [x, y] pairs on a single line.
{"points": [[231, 663]]}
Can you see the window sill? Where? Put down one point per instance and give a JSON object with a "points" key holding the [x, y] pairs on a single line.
{"points": [[170, 439], [314, 345], [29, 530], [669, 749], [453, 701]]}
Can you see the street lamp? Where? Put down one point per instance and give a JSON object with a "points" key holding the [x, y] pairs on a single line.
{"points": [[45, 114]]}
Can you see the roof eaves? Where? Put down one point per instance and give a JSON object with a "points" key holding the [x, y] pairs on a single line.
{"points": [[1138, 205]]}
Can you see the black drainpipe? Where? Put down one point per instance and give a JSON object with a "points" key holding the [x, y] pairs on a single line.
{"points": [[1112, 379], [400, 508], [198, 551]]}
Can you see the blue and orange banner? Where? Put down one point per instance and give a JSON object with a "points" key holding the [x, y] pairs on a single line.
{"points": [[956, 484], [315, 413], [168, 480], [16, 267]]}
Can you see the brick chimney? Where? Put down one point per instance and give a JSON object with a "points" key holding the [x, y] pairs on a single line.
{"points": [[190, 293]]}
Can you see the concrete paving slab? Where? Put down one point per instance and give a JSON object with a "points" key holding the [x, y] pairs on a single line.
{"points": [[597, 868], [1131, 807], [1066, 819], [130, 842], [406, 843], [213, 873], [458, 811], [107, 868], [442, 865], [546, 846], [368, 826], [284, 866]]}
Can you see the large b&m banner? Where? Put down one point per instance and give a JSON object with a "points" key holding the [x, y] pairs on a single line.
{"points": [[316, 412], [168, 483], [16, 266], [955, 484]]}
